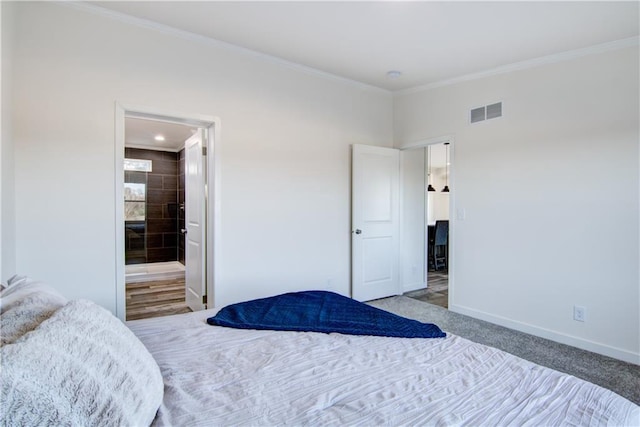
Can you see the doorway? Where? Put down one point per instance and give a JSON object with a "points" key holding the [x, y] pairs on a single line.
{"points": [[154, 220], [163, 204], [392, 210], [428, 168]]}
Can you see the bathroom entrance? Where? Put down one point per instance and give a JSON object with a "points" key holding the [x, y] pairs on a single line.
{"points": [[164, 204]]}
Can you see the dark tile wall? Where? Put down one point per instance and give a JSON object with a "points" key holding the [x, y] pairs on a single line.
{"points": [[181, 223], [162, 203]]}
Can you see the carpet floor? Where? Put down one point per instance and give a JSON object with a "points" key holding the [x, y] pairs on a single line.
{"points": [[618, 376]]}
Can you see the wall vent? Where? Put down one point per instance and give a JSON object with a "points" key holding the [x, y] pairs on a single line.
{"points": [[477, 114], [491, 111], [494, 110]]}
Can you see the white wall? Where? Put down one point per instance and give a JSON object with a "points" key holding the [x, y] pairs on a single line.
{"points": [[285, 152], [413, 227], [545, 228], [7, 195]]}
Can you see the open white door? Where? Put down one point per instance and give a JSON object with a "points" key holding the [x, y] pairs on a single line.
{"points": [[375, 222], [195, 214]]}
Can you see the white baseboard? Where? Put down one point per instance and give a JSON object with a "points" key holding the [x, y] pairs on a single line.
{"points": [[413, 286], [616, 353]]}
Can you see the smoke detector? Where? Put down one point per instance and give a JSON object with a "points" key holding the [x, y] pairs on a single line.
{"points": [[393, 74]]}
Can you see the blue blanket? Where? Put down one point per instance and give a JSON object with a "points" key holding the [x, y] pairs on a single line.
{"points": [[320, 311]]}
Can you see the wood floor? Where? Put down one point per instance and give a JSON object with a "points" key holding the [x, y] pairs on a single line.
{"points": [[155, 299], [437, 292]]}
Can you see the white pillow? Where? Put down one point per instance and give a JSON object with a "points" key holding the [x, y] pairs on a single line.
{"points": [[24, 304], [80, 367]]}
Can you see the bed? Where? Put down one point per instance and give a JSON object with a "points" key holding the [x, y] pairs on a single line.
{"points": [[213, 375]]}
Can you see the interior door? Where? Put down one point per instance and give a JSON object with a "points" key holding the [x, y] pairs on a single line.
{"points": [[195, 214], [375, 222]]}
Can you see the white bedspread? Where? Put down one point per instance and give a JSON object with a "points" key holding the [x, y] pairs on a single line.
{"points": [[221, 376]]}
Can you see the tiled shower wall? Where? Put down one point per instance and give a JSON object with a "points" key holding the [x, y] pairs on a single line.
{"points": [[162, 204]]}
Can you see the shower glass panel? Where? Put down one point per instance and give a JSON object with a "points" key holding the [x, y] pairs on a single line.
{"points": [[135, 216]]}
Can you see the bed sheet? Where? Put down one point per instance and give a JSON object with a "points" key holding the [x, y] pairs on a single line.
{"points": [[222, 376]]}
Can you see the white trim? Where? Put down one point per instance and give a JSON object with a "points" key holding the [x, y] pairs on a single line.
{"points": [[149, 113], [1, 155], [581, 343], [529, 63], [453, 223], [118, 182], [425, 142], [211, 123], [154, 148], [166, 29], [400, 222], [214, 209]]}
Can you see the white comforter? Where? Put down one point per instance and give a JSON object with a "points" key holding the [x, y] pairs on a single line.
{"points": [[221, 376]]}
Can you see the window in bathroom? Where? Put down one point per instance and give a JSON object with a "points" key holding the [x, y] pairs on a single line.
{"points": [[134, 201], [135, 188], [137, 165]]}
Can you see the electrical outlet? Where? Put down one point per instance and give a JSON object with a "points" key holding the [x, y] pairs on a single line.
{"points": [[579, 313]]}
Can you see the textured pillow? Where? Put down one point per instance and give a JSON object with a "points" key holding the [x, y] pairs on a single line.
{"points": [[80, 367], [24, 304]]}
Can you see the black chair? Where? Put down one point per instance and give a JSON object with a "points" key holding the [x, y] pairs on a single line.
{"points": [[441, 245], [431, 236]]}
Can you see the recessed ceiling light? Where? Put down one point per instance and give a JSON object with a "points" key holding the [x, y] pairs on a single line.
{"points": [[393, 74], [159, 138]]}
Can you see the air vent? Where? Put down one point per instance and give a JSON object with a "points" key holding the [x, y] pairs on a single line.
{"points": [[494, 110], [491, 111], [477, 115]]}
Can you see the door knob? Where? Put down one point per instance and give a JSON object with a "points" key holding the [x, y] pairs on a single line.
{"points": [[183, 230], [357, 231]]}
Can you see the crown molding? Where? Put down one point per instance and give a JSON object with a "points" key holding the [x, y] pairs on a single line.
{"points": [[187, 35], [529, 63]]}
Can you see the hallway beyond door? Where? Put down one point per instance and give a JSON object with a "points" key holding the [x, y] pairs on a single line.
{"points": [[438, 291]]}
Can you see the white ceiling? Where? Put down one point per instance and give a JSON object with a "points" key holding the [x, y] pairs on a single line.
{"points": [[141, 133], [428, 42]]}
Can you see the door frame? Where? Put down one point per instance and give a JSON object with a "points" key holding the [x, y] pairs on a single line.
{"points": [[423, 143], [212, 193]]}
